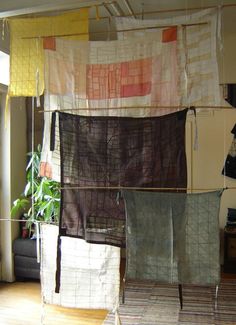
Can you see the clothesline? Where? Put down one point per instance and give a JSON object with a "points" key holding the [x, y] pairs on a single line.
{"points": [[27, 221], [133, 107]]}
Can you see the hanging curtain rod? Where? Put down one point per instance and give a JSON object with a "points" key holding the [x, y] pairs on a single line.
{"points": [[115, 31], [144, 188], [133, 107]]}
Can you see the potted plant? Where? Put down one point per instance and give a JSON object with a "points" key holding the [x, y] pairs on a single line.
{"points": [[40, 200]]}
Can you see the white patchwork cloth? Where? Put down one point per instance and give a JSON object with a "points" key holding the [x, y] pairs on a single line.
{"points": [[196, 47], [90, 276], [109, 75]]}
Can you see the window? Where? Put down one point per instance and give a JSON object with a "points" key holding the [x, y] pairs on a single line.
{"points": [[4, 68]]}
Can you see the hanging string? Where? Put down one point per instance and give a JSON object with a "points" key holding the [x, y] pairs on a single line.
{"points": [[216, 297], [224, 149], [142, 14], [3, 29], [42, 318], [37, 241], [219, 29], [221, 48], [32, 150], [37, 74], [109, 29], [97, 12]]}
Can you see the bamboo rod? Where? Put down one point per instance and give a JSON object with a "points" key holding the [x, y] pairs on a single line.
{"points": [[144, 188], [115, 31], [133, 107]]}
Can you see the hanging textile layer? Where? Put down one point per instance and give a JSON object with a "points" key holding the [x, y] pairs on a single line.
{"points": [[196, 50], [109, 75], [230, 162], [173, 237], [112, 151], [90, 276], [27, 56]]}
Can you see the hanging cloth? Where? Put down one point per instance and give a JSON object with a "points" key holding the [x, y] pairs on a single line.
{"points": [[173, 237], [26, 48], [113, 151], [90, 276], [231, 94], [107, 76], [230, 162], [196, 48]]}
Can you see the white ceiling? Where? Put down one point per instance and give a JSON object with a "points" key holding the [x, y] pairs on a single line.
{"points": [[9, 8], [20, 7]]}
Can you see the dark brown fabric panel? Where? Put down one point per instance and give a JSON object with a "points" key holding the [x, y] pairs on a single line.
{"points": [[115, 151]]}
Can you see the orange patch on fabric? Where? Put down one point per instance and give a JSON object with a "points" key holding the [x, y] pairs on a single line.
{"points": [[45, 170], [169, 35], [49, 43]]}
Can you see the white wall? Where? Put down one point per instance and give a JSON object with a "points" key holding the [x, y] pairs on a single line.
{"points": [[12, 172], [12, 167]]}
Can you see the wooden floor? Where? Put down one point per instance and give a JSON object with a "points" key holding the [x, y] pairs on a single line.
{"points": [[20, 304]]}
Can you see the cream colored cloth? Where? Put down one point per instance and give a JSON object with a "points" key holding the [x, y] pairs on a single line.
{"points": [[196, 47], [90, 276]]}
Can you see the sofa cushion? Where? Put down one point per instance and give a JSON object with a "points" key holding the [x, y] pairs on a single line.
{"points": [[25, 247]]}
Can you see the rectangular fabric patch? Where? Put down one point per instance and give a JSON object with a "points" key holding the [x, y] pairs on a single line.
{"points": [[173, 237], [27, 55], [90, 276], [113, 152]]}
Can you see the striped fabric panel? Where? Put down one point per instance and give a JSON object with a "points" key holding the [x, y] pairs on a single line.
{"points": [[196, 50], [161, 305]]}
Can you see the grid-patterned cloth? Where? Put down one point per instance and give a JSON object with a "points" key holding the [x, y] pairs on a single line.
{"points": [[173, 237], [196, 52], [107, 76], [90, 274], [112, 151], [27, 55]]}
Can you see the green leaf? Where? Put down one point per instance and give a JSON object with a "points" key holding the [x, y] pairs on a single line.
{"points": [[19, 206], [27, 189]]}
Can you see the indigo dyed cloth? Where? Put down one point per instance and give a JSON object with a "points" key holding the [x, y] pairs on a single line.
{"points": [[230, 162], [119, 152], [173, 237]]}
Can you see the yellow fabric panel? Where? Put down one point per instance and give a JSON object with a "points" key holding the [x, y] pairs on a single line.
{"points": [[27, 56]]}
